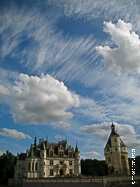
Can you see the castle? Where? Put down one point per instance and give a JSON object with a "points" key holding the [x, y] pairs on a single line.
{"points": [[48, 160], [116, 154]]}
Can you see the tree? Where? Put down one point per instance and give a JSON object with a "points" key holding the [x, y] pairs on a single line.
{"points": [[94, 167], [7, 164]]}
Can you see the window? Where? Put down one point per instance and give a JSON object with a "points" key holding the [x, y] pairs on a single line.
{"points": [[36, 166], [61, 154], [115, 149], [124, 148], [29, 166], [51, 153], [33, 166], [116, 172], [70, 154], [115, 140], [43, 155], [19, 165], [44, 173], [51, 162], [70, 171], [61, 162], [70, 162], [109, 159], [19, 174], [44, 163], [51, 172]]}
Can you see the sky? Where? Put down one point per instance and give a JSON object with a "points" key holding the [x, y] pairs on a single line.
{"points": [[67, 70]]}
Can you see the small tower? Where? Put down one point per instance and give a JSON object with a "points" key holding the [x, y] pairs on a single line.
{"points": [[116, 154], [35, 144], [77, 161], [43, 160]]}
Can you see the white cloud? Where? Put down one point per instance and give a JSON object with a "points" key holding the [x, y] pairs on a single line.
{"points": [[41, 100], [103, 130], [126, 56], [64, 125], [92, 155], [58, 137], [4, 91], [13, 133], [1, 153], [131, 142]]}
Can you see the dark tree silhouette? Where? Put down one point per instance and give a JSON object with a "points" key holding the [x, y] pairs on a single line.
{"points": [[7, 164]]}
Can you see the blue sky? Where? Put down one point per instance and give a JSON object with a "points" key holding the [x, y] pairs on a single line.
{"points": [[67, 68]]}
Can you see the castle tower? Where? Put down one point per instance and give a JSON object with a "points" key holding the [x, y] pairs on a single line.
{"points": [[116, 154], [77, 161]]}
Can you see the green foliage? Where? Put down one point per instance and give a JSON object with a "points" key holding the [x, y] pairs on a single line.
{"points": [[7, 164], [94, 167]]}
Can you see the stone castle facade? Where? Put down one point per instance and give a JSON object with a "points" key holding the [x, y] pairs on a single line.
{"points": [[116, 154], [48, 160]]}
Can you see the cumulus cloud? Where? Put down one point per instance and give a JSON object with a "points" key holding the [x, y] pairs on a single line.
{"points": [[58, 137], [64, 125], [126, 56], [13, 133], [131, 142], [41, 100], [103, 130], [4, 91], [90, 154]]}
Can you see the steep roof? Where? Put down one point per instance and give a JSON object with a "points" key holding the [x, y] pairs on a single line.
{"points": [[114, 133]]}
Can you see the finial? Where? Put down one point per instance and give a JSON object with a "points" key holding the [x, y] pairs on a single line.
{"points": [[66, 138]]}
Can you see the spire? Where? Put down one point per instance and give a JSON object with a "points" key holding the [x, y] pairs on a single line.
{"points": [[47, 138], [35, 142], [76, 149]]}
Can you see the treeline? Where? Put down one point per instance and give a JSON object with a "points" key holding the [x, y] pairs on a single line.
{"points": [[94, 167], [7, 164], [89, 167]]}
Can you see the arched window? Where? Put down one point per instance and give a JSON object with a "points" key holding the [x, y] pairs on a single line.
{"points": [[36, 166], [29, 166]]}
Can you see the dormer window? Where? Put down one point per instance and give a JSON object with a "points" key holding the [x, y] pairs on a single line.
{"points": [[61, 154], [70, 154], [51, 153]]}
